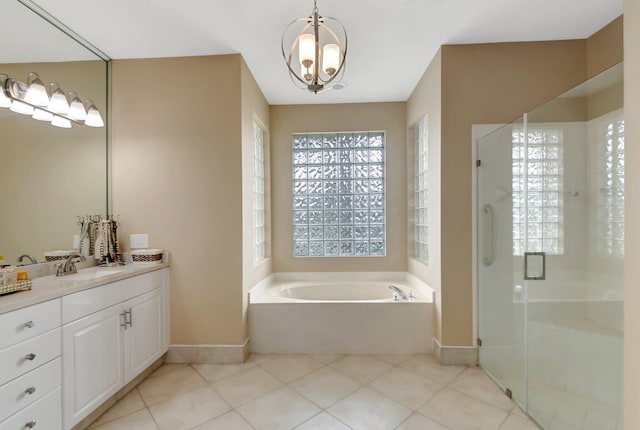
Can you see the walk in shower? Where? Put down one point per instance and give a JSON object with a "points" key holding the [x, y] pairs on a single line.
{"points": [[550, 247]]}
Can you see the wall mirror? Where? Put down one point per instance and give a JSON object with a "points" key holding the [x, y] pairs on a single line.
{"points": [[48, 175]]}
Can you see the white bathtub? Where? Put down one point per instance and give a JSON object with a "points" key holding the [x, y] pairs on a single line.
{"points": [[340, 313]]}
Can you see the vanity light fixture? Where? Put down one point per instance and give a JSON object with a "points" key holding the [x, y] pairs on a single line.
{"points": [[314, 40], [29, 99]]}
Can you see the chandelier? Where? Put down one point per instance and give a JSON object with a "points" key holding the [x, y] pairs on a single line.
{"points": [[315, 50]]}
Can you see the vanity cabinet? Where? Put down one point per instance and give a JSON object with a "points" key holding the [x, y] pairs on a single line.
{"points": [[30, 368], [92, 365], [110, 334], [143, 334]]}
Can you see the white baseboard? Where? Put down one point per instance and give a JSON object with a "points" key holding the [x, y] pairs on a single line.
{"points": [[219, 354], [455, 355]]}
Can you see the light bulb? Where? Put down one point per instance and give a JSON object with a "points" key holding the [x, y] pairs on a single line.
{"points": [[36, 92], [42, 115], [58, 102], [5, 101], [330, 58], [61, 122], [21, 108], [94, 119], [307, 49], [77, 111]]}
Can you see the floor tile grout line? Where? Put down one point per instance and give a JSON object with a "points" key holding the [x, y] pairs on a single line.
{"points": [[218, 393], [324, 365], [322, 411]]}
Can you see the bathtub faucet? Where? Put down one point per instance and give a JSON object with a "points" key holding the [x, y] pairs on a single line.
{"points": [[399, 292]]}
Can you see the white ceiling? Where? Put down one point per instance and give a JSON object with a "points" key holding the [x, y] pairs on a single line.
{"points": [[391, 42]]}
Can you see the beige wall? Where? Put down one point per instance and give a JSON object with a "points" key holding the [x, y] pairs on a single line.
{"points": [[254, 109], [493, 84], [605, 47], [632, 213], [426, 99], [289, 119], [177, 139]]}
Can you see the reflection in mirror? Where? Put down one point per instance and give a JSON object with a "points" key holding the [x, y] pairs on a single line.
{"points": [[48, 175]]}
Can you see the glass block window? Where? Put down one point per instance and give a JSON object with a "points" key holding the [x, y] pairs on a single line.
{"points": [[338, 194], [259, 236], [610, 216], [421, 190], [537, 191]]}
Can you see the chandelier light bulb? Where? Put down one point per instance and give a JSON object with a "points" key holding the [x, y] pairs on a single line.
{"points": [[307, 49], [330, 58]]}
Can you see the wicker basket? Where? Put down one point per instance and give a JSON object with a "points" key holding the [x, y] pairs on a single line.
{"points": [[14, 286], [146, 256], [57, 255]]}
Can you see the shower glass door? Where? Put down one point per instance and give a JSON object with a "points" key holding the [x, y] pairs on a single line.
{"points": [[501, 315], [550, 197]]}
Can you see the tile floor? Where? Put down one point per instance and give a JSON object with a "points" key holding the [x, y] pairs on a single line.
{"points": [[316, 392]]}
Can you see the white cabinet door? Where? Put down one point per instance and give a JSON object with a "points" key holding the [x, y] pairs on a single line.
{"points": [[91, 362], [143, 335]]}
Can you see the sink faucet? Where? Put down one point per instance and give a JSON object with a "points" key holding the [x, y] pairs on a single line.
{"points": [[399, 291], [23, 257], [69, 265]]}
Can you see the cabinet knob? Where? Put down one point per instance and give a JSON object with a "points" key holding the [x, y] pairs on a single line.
{"points": [[29, 324], [30, 390], [31, 424], [30, 356]]}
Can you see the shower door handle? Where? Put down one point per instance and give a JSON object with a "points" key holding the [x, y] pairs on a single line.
{"points": [[536, 269], [488, 258]]}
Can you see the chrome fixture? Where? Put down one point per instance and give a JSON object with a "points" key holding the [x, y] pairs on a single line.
{"points": [[33, 99], [69, 265], [23, 257], [310, 41], [399, 292]]}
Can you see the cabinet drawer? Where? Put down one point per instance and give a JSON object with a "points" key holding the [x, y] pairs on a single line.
{"points": [[27, 389], [28, 322], [15, 360], [79, 305], [45, 414]]}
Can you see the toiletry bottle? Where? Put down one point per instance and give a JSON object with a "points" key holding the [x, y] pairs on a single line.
{"points": [[3, 263]]}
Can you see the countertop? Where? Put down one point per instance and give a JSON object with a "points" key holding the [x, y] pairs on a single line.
{"points": [[52, 287]]}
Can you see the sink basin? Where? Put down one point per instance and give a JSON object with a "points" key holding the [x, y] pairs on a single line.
{"points": [[91, 275]]}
